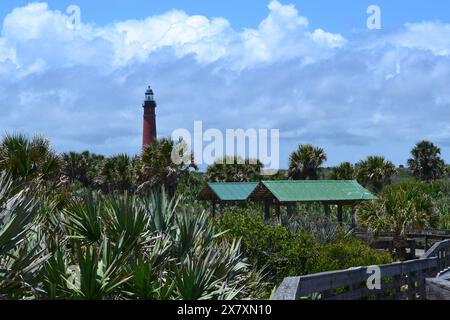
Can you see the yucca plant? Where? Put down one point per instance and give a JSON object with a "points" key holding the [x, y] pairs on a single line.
{"points": [[116, 247], [194, 278], [125, 216], [82, 217], [94, 272], [22, 252], [150, 280], [161, 211]]}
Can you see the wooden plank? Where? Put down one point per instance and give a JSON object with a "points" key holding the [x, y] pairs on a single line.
{"points": [[392, 269], [331, 280], [355, 294], [436, 248], [288, 289], [437, 289], [417, 265]]}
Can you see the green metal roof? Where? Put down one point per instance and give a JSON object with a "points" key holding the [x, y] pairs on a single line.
{"points": [[320, 190], [232, 191]]}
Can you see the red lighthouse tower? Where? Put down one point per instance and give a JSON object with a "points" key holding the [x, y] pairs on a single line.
{"points": [[149, 134]]}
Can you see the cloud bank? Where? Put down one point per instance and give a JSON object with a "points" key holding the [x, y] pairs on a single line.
{"points": [[375, 93]]}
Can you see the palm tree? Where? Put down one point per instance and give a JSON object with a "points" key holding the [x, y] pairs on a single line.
{"points": [[74, 167], [28, 159], [234, 169], [426, 163], [375, 172], [82, 167], [305, 162], [345, 171], [401, 208], [162, 164], [116, 174]]}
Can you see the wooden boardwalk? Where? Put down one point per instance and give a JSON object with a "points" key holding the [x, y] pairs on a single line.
{"points": [[400, 280]]}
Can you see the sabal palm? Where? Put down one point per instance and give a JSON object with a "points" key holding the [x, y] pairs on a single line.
{"points": [[426, 163], [158, 166], [345, 171], [116, 174], [27, 158], [75, 167], [234, 169], [82, 167], [375, 172], [401, 208], [305, 162]]}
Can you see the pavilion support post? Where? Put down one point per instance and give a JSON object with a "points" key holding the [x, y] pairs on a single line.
{"points": [[353, 217], [340, 215], [266, 210], [327, 209], [214, 208], [278, 210], [290, 210]]}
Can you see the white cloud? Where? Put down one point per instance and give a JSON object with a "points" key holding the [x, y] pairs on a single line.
{"points": [[282, 35], [83, 87], [432, 36]]}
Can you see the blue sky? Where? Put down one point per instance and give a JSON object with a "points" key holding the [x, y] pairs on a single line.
{"points": [[310, 68]]}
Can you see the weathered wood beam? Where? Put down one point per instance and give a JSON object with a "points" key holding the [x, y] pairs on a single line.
{"points": [[278, 210], [266, 210], [290, 210], [353, 217], [340, 215], [327, 209]]}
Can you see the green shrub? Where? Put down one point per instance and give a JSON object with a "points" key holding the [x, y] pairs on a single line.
{"points": [[347, 253], [284, 253]]}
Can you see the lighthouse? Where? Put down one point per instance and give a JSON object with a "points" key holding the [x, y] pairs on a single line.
{"points": [[149, 105]]}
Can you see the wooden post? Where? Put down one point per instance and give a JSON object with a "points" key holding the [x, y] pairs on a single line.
{"points": [[327, 209], [290, 210], [278, 210], [266, 210], [353, 217], [340, 215]]}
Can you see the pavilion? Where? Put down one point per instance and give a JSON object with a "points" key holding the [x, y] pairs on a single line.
{"points": [[227, 193], [286, 193]]}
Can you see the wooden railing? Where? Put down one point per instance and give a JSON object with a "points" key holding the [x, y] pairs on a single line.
{"points": [[400, 280], [428, 238], [424, 241], [439, 288]]}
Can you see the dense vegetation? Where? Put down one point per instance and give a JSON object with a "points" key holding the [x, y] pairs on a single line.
{"points": [[115, 247], [86, 226], [301, 245]]}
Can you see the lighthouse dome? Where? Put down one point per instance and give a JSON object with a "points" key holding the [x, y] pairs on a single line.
{"points": [[149, 96]]}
